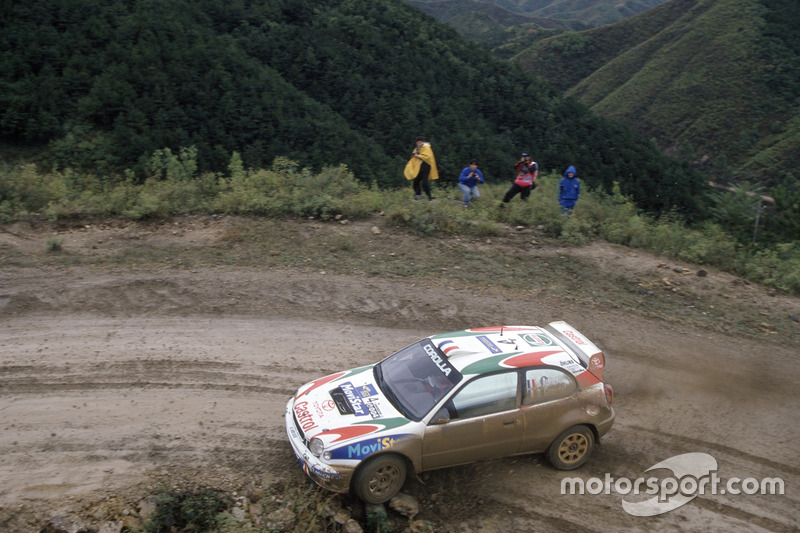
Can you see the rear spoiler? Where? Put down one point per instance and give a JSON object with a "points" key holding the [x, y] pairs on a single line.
{"points": [[590, 355]]}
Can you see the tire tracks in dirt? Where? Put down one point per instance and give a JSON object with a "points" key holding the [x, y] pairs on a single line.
{"points": [[186, 375]]}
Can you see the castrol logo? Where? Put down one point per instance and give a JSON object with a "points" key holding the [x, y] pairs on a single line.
{"points": [[575, 338], [304, 417]]}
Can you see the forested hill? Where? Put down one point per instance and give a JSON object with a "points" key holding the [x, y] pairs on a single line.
{"points": [[713, 81], [100, 85]]}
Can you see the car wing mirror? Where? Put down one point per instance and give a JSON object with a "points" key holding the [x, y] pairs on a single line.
{"points": [[442, 416]]}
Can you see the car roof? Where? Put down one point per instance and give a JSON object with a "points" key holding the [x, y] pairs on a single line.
{"points": [[489, 349]]}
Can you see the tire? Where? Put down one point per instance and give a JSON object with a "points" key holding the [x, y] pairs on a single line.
{"points": [[380, 478], [572, 448]]}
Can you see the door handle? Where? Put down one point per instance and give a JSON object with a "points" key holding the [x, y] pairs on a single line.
{"points": [[509, 422]]}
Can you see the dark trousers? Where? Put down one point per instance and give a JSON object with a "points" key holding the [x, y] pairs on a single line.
{"points": [[524, 192], [420, 183]]}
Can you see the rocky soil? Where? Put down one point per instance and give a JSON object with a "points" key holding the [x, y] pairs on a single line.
{"points": [[120, 380]]}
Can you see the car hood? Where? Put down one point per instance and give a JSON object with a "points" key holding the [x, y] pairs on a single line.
{"points": [[343, 406]]}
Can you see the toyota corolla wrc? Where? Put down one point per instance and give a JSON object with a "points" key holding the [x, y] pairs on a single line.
{"points": [[451, 399]]}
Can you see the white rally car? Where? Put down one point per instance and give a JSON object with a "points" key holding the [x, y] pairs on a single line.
{"points": [[450, 399]]}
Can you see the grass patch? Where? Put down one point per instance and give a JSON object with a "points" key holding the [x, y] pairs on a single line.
{"points": [[55, 244]]}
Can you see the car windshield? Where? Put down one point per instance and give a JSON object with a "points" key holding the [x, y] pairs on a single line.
{"points": [[416, 378]]}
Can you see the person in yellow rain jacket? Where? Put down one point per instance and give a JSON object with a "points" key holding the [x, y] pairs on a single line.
{"points": [[421, 168]]}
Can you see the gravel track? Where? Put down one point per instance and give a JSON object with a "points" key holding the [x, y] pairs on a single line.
{"points": [[111, 376]]}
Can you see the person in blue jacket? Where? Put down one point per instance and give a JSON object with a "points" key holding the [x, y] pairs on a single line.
{"points": [[468, 182], [569, 189]]}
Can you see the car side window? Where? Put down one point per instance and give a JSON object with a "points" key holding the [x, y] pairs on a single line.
{"points": [[486, 395], [545, 384]]}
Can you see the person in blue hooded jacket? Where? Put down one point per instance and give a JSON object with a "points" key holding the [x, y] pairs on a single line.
{"points": [[569, 189]]}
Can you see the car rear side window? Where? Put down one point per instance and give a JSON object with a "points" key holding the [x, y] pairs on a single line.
{"points": [[545, 384], [487, 395]]}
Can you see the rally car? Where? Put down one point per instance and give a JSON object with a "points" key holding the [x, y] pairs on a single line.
{"points": [[451, 399]]}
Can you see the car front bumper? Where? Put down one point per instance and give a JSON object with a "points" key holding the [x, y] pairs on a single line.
{"points": [[336, 479]]}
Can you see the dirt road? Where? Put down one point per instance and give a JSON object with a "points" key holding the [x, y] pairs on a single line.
{"points": [[114, 376]]}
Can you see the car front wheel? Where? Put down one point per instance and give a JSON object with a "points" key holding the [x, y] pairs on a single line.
{"points": [[380, 479], [572, 448]]}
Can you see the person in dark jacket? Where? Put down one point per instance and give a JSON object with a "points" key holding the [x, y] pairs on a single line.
{"points": [[468, 182], [569, 189], [527, 169]]}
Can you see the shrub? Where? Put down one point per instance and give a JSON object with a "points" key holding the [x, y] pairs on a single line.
{"points": [[778, 267], [485, 228], [187, 511], [615, 217], [55, 244], [709, 245], [575, 230], [424, 218], [167, 166], [118, 198], [624, 230], [30, 190], [286, 190]]}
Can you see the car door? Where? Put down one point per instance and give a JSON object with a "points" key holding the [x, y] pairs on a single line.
{"points": [[485, 422], [549, 406]]}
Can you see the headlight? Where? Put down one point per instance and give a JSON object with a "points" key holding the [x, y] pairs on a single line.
{"points": [[316, 446]]}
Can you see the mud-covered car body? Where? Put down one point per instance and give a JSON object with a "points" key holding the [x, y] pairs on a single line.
{"points": [[450, 399]]}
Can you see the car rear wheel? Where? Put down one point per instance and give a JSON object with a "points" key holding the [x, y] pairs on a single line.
{"points": [[380, 479], [572, 448]]}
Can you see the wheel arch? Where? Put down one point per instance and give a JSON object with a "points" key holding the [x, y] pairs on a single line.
{"points": [[595, 432]]}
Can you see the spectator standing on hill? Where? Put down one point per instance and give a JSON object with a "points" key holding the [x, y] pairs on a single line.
{"points": [[569, 189], [526, 169], [421, 168], [468, 182]]}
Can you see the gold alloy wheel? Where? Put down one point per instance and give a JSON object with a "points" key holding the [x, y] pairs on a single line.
{"points": [[572, 448]]}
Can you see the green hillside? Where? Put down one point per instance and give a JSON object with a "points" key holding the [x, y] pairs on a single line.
{"points": [[503, 32], [572, 14], [713, 81], [589, 12], [100, 86], [510, 27]]}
